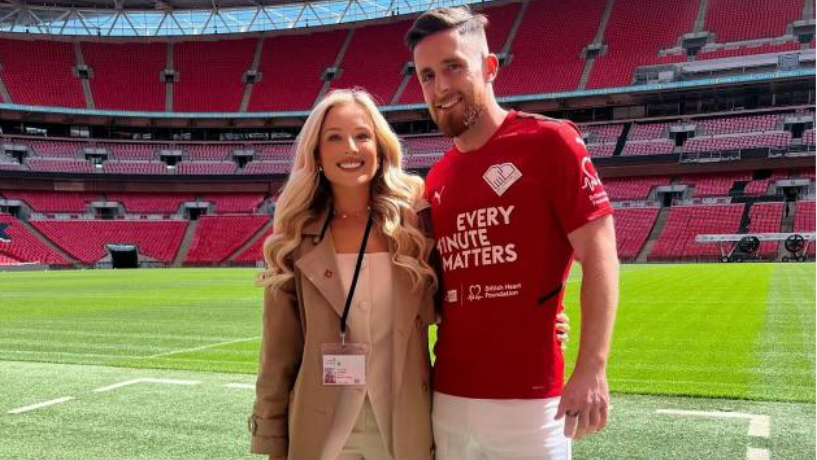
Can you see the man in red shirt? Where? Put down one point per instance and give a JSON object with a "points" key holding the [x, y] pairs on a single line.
{"points": [[513, 203]]}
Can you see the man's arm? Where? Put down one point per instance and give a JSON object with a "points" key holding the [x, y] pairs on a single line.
{"points": [[586, 396]]}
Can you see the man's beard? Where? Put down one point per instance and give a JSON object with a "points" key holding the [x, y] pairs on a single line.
{"points": [[453, 125]]}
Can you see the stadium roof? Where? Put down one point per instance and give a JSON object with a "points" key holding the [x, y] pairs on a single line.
{"points": [[151, 18]]}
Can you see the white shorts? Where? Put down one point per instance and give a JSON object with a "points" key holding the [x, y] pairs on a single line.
{"points": [[498, 429]]}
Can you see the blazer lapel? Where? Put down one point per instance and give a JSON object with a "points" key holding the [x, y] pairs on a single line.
{"points": [[319, 266]]}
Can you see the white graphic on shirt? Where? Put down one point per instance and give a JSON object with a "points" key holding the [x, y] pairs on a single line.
{"points": [[591, 179], [474, 293], [501, 177], [591, 182], [451, 296], [438, 195], [470, 245]]}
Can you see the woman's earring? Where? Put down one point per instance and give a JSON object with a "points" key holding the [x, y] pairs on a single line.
{"points": [[320, 169]]}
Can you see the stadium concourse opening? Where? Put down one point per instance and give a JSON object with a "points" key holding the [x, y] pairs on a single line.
{"points": [[124, 255]]}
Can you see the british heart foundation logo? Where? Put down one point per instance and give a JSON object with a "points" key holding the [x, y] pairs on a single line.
{"points": [[501, 177]]}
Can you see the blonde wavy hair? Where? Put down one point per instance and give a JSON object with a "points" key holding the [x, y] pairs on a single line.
{"points": [[307, 195]]}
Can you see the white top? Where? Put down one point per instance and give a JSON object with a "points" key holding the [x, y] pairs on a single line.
{"points": [[370, 321]]}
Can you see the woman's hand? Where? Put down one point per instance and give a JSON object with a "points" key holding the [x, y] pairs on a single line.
{"points": [[562, 329]]}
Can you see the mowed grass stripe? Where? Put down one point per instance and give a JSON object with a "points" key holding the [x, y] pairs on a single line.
{"points": [[784, 369]]}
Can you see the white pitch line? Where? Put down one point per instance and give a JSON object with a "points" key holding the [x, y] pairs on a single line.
{"points": [[241, 386], [759, 425], [753, 453], [203, 347], [40, 405], [146, 380]]}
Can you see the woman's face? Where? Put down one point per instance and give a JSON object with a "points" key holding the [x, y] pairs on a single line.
{"points": [[348, 148]]}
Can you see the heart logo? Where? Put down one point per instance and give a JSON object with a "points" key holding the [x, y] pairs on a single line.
{"points": [[501, 177]]}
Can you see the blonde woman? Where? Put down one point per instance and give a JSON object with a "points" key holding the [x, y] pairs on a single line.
{"points": [[312, 401], [344, 369]]}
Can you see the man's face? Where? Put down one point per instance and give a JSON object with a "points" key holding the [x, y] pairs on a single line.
{"points": [[451, 67]]}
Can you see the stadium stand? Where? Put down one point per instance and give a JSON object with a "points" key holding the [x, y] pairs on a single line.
{"points": [[632, 188], [62, 166], [235, 202], [375, 60], [738, 20], [804, 220], [197, 62], [548, 47], [210, 167], [296, 63], [54, 202], [254, 253], [766, 218], [738, 124], [633, 41], [146, 203], [633, 227], [25, 247], [736, 142], [135, 167], [677, 240], [219, 237], [656, 147], [86, 240], [127, 75], [712, 185], [40, 73]]}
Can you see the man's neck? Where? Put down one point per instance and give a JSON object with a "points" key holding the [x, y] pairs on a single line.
{"points": [[486, 127]]}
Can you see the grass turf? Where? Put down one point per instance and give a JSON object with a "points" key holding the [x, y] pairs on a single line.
{"points": [[730, 331], [744, 332]]}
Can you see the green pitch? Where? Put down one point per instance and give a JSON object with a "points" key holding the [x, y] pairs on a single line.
{"points": [[712, 339]]}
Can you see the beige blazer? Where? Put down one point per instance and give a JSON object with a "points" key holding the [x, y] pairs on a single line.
{"points": [[293, 410]]}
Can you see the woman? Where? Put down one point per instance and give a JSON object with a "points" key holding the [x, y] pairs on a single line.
{"points": [[347, 169], [346, 376]]}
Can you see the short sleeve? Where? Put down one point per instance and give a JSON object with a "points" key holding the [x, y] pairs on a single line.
{"points": [[576, 192]]}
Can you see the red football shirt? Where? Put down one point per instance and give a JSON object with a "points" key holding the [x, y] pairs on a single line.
{"points": [[501, 217]]}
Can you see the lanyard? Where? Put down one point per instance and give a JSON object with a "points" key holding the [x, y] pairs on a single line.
{"points": [[354, 280]]}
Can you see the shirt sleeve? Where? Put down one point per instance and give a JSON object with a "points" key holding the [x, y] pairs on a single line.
{"points": [[576, 192]]}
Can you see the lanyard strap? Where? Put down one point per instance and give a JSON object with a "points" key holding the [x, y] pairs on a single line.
{"points": [[354, 280]]}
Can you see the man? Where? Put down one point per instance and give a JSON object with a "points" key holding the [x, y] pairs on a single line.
{"points": [[513, 203]]}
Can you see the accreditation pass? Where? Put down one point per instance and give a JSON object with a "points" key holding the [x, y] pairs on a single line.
{"points": [[344, 364]]}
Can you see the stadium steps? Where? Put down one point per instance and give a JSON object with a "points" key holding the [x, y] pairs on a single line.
{"points": [[4, 92], [700, 22], [51, 245], [86, 84], [655, 233], [506, 48], [245, 100], [599, 38], [187, 242], [338, 61], [622, 139], [260, 234], [169, 86]]}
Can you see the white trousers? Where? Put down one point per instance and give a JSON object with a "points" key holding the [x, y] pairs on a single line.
{"points": [[365, 442], [498, 429]]}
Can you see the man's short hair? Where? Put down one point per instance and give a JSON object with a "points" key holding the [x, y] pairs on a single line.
{"points": [[443, 19]]}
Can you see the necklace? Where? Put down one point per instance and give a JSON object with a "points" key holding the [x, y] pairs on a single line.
{"points": [[356, 214]]}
